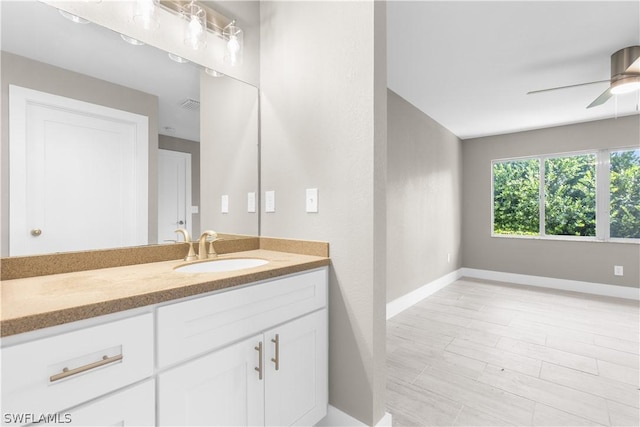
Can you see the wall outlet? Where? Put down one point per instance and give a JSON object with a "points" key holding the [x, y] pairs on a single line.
{"points": [[618, 270], [269, 201]]}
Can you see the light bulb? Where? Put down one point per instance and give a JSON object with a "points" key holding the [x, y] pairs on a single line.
{"points": [[234, 36], [195, 31], [625, 88], [145, 14], [233, 45]]}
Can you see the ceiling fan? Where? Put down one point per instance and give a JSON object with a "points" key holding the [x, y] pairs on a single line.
{"points": [[625, 76]]}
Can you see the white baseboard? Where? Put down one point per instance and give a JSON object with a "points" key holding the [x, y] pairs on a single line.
{"points": [[549, 282], [336, 418], [398, 305]]}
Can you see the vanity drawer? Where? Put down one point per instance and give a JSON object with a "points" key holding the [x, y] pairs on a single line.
{"points": [[199, 325], [55, 373]]}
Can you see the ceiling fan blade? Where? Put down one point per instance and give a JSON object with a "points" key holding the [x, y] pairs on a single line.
{"points": [[565, 87], [604, 97]]}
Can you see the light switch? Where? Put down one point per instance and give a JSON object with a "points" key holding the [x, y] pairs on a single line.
{"points": [[194, 209], [224, 203], [251, 202], [312, 200], [269, 201]]}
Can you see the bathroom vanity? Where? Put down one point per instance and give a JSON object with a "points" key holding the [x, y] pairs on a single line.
{"points": [[244, 347]]}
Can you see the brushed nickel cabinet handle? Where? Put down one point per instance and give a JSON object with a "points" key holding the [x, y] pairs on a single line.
{"points": [[259, 368], [276, 360], [66, 372]]}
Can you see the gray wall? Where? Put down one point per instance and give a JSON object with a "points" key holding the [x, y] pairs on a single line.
{"points": [[31, 74], [583, 261], [192, 147], [228, 153], [424, 198], [323, 125]]}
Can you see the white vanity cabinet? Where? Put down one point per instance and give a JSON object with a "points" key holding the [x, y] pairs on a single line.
{"points": [[219, 389], [295, 371], [250, 355], [51, 375], [276, 374], [133, 406]]}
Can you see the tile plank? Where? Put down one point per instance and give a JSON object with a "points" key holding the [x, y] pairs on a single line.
{"points": [[557, 396], [546, 354], [493, 354]]}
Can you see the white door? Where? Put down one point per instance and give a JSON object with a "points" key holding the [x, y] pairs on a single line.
{"points": [[296, 392], [174, 193], [220, 389], [78, 177]]}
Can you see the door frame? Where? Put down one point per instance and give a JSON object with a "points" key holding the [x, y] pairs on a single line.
{"points": [[188, 188], [20, 98]]}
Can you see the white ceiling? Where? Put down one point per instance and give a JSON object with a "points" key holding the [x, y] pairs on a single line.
{"points": [[469, 65]]}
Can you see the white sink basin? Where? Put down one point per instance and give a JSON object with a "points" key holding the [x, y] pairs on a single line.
{"points": [[221, 265]]}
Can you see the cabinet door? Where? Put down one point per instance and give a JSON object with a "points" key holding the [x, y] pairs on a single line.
{"points": [[134, 406], [220, 389], [296, 393]]}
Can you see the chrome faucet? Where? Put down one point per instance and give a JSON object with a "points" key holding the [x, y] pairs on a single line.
{"points": [[202, 243], [187, 239]]}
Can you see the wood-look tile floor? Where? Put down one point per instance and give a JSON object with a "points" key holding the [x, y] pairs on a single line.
{"points": [[481, 353]]}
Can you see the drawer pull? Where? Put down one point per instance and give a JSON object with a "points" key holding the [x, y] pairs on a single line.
{"points": [[259, 368], [276, 360], [66, 372]]}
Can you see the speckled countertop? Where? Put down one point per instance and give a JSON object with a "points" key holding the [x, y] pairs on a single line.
{"points": [[39, 302]]}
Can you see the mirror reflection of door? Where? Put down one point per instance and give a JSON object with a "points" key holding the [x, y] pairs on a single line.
{"points": [[62, 149], [174, 194]]}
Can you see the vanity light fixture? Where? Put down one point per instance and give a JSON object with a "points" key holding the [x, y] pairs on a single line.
{"points": [[131, 40], [234, 37], [213, 22], [73, 18], [195, 33], [144, 14]]}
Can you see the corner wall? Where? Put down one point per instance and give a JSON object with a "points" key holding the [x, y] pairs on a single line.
{"points": [[571, 260], [424, 199], [323, 125]]}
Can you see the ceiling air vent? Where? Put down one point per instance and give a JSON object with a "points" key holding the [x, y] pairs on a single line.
{"points": [[190, 104]]}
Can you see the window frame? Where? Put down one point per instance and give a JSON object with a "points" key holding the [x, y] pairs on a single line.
{"points": [[603, 198]]}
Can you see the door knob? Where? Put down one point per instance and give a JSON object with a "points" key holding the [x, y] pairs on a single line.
{"points": [[36, 232], [181, 222]]}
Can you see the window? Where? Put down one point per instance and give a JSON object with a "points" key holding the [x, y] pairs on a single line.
{"points": [[624, 190], [570, 196], [516, 202], [558, 196]]}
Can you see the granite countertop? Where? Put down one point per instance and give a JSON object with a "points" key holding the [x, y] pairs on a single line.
{"points": [[39, 302]]}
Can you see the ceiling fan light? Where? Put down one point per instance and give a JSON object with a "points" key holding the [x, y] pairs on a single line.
{"points": [[625, 85]]}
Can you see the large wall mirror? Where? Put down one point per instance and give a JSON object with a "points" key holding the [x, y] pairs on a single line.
{"points": [[106, 143]]}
